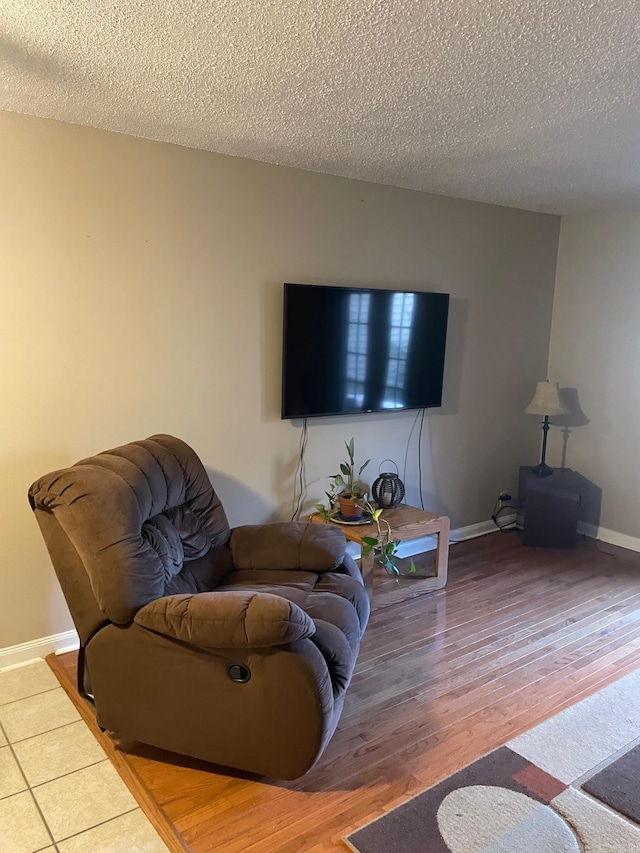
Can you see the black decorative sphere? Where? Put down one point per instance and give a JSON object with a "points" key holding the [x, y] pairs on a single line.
{"points": [[388, 489]]}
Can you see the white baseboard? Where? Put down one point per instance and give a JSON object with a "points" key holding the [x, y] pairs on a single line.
{"points": [[428, 543], [58, 643], [411, 547], [471, 531], [591, 530], [610, 536]]}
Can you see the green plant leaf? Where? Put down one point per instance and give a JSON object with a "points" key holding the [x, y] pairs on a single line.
{"points": [[350, 449], [390, 566], [412, 569], [362, 467], [370, 540], [344, 468], [376, 514]]}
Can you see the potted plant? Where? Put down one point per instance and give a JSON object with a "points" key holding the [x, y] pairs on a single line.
{"points": [[345, 484], [353, 503]]}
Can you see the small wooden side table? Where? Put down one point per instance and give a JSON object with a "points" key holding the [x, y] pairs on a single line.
{"points": [[407, 522]]}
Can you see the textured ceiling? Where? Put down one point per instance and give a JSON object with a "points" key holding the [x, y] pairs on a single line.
{"points": [[528, 103]]}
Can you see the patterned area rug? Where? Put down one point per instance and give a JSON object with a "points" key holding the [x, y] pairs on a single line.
{"points": [[569, 785]]}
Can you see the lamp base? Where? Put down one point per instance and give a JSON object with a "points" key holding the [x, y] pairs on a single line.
{"points": [[542, 470]]}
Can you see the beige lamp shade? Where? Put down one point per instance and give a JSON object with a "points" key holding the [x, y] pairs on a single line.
{"points": [[546, 400]]}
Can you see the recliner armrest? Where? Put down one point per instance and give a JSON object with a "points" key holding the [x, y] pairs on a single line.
{"points": [[288, 545], [227, 620]]}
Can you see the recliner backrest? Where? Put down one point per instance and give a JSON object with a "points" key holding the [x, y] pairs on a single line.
{"points": [[144, 520]]}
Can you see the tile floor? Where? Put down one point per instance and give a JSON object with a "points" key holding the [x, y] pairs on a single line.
{"points": [[58, 791]]}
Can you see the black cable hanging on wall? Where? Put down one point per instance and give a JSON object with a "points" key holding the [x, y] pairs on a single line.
{"points": [[420, 458], [300, 474]]}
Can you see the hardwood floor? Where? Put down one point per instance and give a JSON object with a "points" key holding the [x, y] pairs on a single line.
{"points": [[442, 678]]}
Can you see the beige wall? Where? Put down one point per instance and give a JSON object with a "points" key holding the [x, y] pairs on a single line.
{"points": [[141, 292], [595, 348]]}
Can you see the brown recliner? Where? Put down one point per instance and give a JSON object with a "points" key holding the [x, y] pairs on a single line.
{"points": [[234, 646]]}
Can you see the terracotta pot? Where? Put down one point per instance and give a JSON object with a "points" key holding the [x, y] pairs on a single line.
{"points": [[349, 508]]}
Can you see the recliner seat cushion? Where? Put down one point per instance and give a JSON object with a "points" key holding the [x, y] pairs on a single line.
{"points": [[294, 586]]}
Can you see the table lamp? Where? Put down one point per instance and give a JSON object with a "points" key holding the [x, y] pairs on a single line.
{"points": [[546, 402]]}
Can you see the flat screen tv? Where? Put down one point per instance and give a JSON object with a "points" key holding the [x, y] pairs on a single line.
{"points": [[351, 350]]}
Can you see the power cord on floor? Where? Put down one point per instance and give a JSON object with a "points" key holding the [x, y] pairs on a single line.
{"points": [[503, 512]]}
